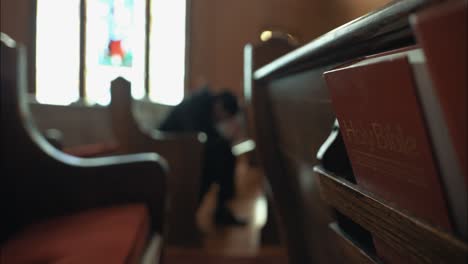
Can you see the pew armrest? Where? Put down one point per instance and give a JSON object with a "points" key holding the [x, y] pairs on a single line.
{"points": [[68, 184], [124, 179], [244, 147]]}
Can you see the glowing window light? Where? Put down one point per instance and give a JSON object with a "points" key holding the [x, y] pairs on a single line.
{"points": [[115, 46], [58, 57], [167, 51], [57, 51]]}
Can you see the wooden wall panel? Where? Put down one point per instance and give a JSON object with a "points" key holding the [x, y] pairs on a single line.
{"points": [[221, 28]]}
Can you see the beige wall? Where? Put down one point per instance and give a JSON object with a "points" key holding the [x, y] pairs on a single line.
{"points": [[221, 28], [15, 19]]}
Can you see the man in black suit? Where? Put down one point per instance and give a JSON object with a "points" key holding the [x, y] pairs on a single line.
{"points": [[209, 113]]}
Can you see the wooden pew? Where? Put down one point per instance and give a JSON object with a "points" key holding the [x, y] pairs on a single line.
{"points": [[184, 153], [256, 56], [291, 120], [293, 116], [56, 207]]}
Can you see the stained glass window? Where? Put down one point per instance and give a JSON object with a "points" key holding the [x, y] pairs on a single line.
{"points": [[115, 45]]}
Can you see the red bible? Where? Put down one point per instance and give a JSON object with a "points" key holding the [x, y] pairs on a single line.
{"points": [[377, 103]]}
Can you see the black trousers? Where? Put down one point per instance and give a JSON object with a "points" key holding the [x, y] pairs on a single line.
{"points": [[219, 167]]}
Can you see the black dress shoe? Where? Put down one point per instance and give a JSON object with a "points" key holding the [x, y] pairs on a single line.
{"points": [[224, 217]]}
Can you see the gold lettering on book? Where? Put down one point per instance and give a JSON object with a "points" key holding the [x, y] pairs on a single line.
{"points": [[375, 135]]}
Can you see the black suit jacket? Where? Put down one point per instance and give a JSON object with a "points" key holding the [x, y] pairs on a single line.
{"points": [[193, 114]]}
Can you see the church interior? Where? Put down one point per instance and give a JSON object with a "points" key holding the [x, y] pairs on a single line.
{"points": [[217, 131]]}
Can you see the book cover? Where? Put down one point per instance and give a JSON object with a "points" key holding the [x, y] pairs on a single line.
{"points": [[380, 116], [442, 34], [383, 125]]}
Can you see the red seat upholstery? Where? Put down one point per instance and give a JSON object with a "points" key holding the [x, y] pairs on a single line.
{"points": [[93, 150], [109, 235]]}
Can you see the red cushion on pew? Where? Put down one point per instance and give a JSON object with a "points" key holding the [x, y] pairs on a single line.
{"points": [[93, 150], [106, 235]]}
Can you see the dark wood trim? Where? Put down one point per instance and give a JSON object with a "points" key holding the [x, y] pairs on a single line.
{"points": [[350, 249], [410, 237], [32, 48], [82, 75], [361, 36], [282, 186]]}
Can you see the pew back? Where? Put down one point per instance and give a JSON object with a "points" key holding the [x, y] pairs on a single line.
{"points": [[40, 183], [256, 56], [292, 119], [183, 151]]}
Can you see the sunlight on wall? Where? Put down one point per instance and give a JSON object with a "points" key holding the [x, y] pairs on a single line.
{"points": [[167, 51], [57, 51]]}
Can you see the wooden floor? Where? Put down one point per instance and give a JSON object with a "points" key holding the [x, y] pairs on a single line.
{"points": [[190, 256], [234, 244]]}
